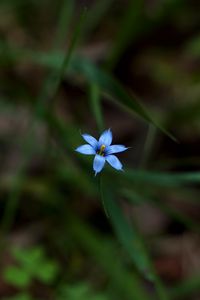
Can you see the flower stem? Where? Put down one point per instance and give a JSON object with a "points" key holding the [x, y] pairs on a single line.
{"points": [[102, 195]]}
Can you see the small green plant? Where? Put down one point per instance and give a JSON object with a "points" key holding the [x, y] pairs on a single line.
{"points": [[32, 264]]}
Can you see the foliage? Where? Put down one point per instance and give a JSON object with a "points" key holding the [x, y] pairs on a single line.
{"points": [[127, 65], [80, 291], [32, 265]]}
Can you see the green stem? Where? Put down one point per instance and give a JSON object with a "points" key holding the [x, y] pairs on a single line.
{"points": [[95, 102], [102, 196], [148, 146]]}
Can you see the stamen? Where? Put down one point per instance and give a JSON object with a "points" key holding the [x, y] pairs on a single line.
{"points": [[101, 151]]}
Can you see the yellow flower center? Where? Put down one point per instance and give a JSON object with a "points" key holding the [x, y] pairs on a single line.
{"points": [[101, 151]]}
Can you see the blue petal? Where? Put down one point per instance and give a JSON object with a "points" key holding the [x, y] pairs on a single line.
{"points": [[106, 138], [114, 162], [98, 163], [90, 140], [115, 149], [86, 149]]}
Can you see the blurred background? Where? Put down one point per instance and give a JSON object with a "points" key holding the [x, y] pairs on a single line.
{"points": [[69, 67]]}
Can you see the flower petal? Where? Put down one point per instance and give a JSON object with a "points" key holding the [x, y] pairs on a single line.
{"points": [[115, 149], [106, 138], [86, 149], [90, 140], [98, 163], [114, 162]]}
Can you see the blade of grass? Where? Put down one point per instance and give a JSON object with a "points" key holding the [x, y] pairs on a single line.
{"points": [[66, 12], [54, 79], [132, 242], [135, 24], [105, 254], [95, 98], [50, 88], [113, 90], [148, 146], [135, 197], [161, 178], [81, 66], [130, 27], [95, 14]]}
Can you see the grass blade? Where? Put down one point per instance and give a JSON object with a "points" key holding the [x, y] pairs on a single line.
{"points": [[132, 242], [95, 98], [50, 88], [81, 66], [162, 179], [130, 27], [135, 197], [105, 254]]}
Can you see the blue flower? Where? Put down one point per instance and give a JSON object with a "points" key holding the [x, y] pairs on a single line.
{"points": [[103, 150]]}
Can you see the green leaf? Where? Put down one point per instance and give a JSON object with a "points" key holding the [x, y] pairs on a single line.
{"points": [[94, 96], [17, 277], [34, 262], [131, 240], [128, 236], [161, 178], [46, 272], [113, 90], [66, 13], [29, 258], [137, 198], [127, 284]]}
